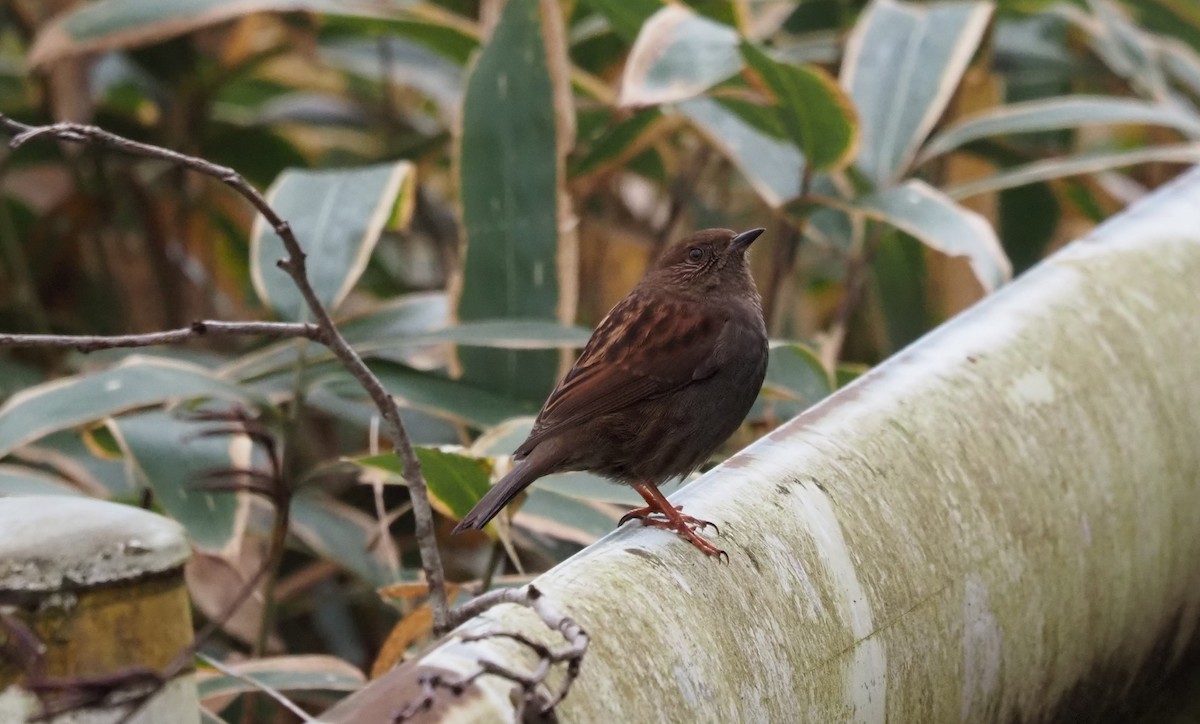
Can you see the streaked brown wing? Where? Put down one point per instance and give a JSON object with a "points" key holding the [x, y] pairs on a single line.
{"points": [[640, 350]]}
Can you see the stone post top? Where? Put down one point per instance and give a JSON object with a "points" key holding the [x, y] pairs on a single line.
{"points": [[52, 542]]}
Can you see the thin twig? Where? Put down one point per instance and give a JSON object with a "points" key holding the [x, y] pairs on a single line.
{"points": [[786, 251], [856, 281], [295, 266], [681, 192], [205, 328]]}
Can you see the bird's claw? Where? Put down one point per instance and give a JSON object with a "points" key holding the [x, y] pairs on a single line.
{"points": [[663, 521], [685, 526]]}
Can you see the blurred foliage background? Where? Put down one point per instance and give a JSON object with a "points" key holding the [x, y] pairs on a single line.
{"points": [[476, 182]]}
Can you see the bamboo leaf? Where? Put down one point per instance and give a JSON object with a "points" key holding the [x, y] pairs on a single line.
{"points": [[1183, 153], [337, 216], [626, 17], [166, 455], [678, 55], [901, 66], [772, 167], [817, 115], [303, 672], [1056, 113], [112, 24], [521, 251], [344, 535], [934, 219], [137, 382], [21, 480]]}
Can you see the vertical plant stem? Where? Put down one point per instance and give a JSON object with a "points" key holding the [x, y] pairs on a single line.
{"points": [[786, 250], [857, 270]]}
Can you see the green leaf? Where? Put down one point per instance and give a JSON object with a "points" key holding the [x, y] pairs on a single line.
{"points": [[136, 382], [457, 400], [565, 517], [1182, 62], [1186, 153], [167, 455], [902, 64], [678, 55], [898, 293], [412, 65], [344, 535], [450, 35], [15, 376], [111, 24], [1029, 218], [516, 130], [626, 17], [500, 334], [794, 371], [337, 216], [795, 381], [20, 480], [1057, 113], [618, 143], [502, 439], [456, 482], [771, 166], [282, 673], [74, 457], [401, 317], [817, 115], [847, 372], [918, 209]]}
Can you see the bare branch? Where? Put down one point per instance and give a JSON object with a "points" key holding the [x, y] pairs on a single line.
{"points": [[530, 683], [204, 328], [295, 267]]}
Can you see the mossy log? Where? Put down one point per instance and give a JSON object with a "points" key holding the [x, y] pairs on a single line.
{"points": [[1000, 523]]}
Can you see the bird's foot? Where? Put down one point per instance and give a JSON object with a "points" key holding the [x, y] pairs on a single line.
{"points": [[665, 520], [687, 528], [658, 513]]}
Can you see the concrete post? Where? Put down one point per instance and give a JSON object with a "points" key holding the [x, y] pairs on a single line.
{"points": [[101, 587]]}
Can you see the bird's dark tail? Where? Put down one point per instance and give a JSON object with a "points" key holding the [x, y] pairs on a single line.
{"points": [[500, 495]]}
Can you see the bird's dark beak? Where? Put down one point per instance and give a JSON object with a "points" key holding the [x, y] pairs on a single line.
{"points": [[742, 241]]}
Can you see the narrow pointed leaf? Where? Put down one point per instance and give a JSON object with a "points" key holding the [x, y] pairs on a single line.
{"points": [[1183, 153], [938, 222], [772, 167], [337, 215], [401, 317], [456, 481], [165, 455], [137, 382], [626, 17], [344, 535], [521, 250], [1056, 113], [678, 55], [110, 24], [20, 480], [303, 672], [817, 115], [902, 64], [457, 400]]}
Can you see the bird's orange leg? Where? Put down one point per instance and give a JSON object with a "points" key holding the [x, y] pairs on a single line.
{"points": [[659, 513]]}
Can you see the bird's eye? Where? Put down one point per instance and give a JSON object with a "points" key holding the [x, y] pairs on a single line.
{"points": [[695, 253]]}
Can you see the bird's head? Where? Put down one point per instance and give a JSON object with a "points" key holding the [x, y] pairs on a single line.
{"points": [[708, 261]]}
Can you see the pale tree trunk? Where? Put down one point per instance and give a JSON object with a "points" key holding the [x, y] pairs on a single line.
{"points": [[1001, 523]]}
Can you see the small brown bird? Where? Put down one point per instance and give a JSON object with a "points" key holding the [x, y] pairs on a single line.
{"points": [[668, 375]]}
